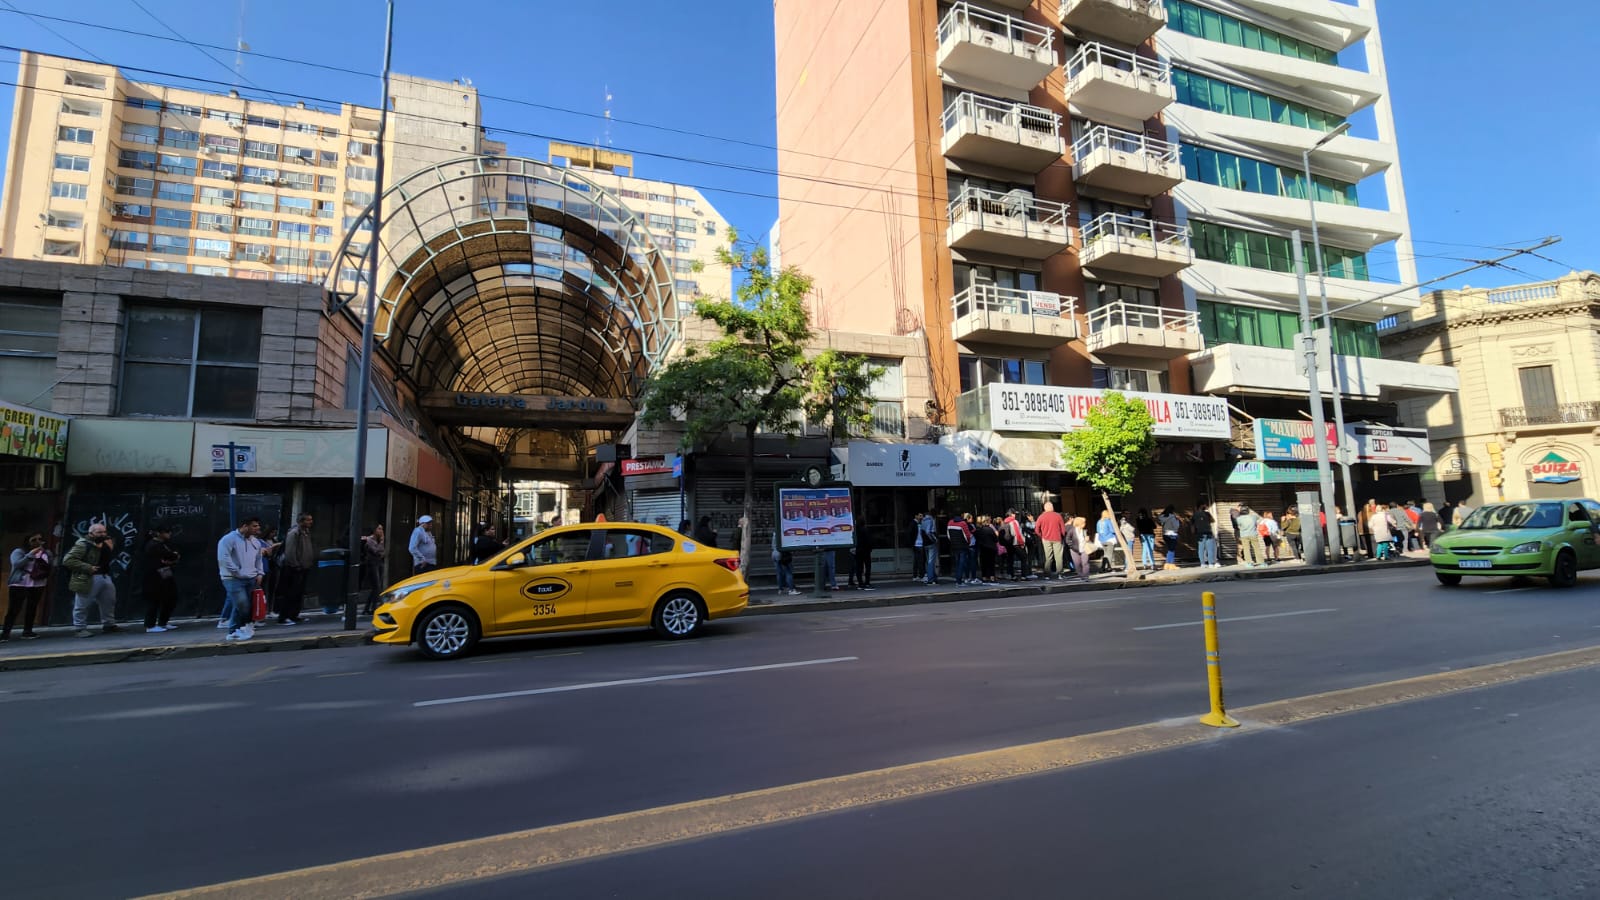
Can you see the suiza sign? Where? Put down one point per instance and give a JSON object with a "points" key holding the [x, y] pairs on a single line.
{"points": [[1056, 410], [1555, 469]]}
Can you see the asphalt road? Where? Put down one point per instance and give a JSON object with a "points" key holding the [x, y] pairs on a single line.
{"points": [[132, 779]]}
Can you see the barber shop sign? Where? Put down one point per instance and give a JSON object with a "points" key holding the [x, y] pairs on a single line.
{"points": [[1555, 469]]}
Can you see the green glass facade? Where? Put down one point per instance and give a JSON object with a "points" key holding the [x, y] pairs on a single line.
{"points": [[1208, 24], [1224, 323], [1242, 247], [1242, 173], [1201, 91]]}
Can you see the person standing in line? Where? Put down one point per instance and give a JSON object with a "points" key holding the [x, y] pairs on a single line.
{"points": [[1030, 534], [955, 531], [784, 560], [1205, 537], [239, 566], [1129, 534], [1271, 535], [686, 528], [486, 545], [30, 572], [1463, 512], [704, 533], [1413, 511], [969, 549], [988, 541], [1291, 532], [1249, 537], [1429, 525], [1077, 543], [373, 553], [160, 580], [1447, 515], [1399, 527], [1381, 534], [865, 544], [1147, 539], [1052, 529], [89, 561], [423, 548], [930, 547], [299, 558], [1170, 526], [1019, 546], [1105, 533]]}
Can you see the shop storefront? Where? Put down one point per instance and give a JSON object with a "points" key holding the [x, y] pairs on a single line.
{"points": [[655, 490], [33, 452], [894, 482]]}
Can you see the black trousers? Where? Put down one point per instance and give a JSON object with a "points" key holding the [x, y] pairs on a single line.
{"points": [[863, 568], [291, 592], [24, 600], [160, 598]]}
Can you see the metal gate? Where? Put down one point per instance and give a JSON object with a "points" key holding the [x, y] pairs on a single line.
{"points": [[655, 507], [1259, 497]]}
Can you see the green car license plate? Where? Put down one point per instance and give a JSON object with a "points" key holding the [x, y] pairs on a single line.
{"points": [[1475, 564]]}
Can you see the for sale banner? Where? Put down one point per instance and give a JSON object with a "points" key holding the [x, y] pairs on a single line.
{"points": [[815, 518]]}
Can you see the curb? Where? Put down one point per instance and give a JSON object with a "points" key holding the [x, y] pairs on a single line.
{"points": [[1032, 589]]}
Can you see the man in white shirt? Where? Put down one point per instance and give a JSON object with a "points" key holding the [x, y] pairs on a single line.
{"points": [[424, 548]]}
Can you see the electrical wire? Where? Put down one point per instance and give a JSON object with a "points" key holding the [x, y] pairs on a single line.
{"points": [[37, 21]]}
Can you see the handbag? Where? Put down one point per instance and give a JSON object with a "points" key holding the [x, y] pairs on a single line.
{"points": [[165, 572], [258, 605]]}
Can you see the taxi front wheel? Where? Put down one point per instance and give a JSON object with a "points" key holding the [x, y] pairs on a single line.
{"points": [[678, 616], [446, 632]]}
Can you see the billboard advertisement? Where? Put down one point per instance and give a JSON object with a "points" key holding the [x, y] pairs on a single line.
{"points": [[1057, 410], [815, 518]]}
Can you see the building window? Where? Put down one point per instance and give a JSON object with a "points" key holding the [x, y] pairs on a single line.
{"points": [[360, 148], [325, 209], [259, 175], [232, 118], [361, 173], [1189, 18], [62, 248], [73, 107], [253, 227], [84, 80], [214, 271], [263, 122], [297, 181], [182, 109], [255, 252], [138, 241], [136, 187], [220, 170], [967, 274], [143, 103], [978, 371], [67, 191], [257, 201], [70, 163], [1539, 391], [131, 212], [140, 134], [260, 150], [294, 257], [1242, 173], [176, 165], [216, 144], [300, 127], [63, 220], [216, 196], [305, 156], [1242, 247], [293, 231], [143, 160], [1097, 294], [215, 248], [162, 265], [175, 191], [169, 244], [183, 140], [297, 205], [327, 184], [1225, 323], [172, 218], [75, 135], [1108, 378], [30, 330], [358, 198], [1194, 89], [186, 362], [216, 222], [684, 245]]}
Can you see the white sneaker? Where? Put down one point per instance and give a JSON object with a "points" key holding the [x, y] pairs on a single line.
{"points": [[223, 623], [154, 629]]}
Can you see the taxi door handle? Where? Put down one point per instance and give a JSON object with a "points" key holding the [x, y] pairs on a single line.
{"points": [[660, 564]]}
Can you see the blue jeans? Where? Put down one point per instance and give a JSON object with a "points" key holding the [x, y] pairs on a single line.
{"points": [[1208, 549], [827, 569], [1147, 549], [785, 576], [932, 550], [238, 602], [1171, 542]]}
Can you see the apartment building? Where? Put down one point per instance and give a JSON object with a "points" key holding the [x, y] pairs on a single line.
{"points": [[1066, 197], [1526, 423]]}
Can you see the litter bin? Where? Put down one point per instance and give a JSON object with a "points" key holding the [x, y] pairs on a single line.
{"points": [[332, 572], [1348, 539]]}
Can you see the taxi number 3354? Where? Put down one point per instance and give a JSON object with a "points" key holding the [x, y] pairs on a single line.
{"points": [[544, 609]]}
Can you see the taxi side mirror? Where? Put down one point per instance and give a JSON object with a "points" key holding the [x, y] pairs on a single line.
{"points": [[514, 561]]}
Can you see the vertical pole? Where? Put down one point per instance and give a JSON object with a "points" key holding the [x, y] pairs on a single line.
{"points": [[1333, 363], [233, 488], [1218, 716], [1319, 423], [358, 487]]}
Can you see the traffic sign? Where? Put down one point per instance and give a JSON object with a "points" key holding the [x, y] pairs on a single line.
{"points": [[244, 458]]}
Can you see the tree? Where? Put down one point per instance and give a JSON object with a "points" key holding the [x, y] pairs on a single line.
{"points": [[1116, 441], [758, 375]]}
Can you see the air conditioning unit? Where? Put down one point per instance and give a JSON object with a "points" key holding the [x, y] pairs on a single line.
{"points": [[209, 151]]}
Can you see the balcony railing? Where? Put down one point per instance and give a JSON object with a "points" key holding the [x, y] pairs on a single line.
{"points": [[888, 420], [1129, 243], [1122, 314], [1126, 160], [1119, 82], [1022, 210], [1104, 137], [995, 47], [1563, 414], [1004, 120], [1011, 301], [1128, 21], [1093, 55], [1006, 33]]}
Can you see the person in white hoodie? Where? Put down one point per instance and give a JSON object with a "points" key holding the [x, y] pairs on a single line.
{"points": [[1381, 535], [239, 565], [424, 548]]}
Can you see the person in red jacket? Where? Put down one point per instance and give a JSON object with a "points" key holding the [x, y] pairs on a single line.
{"points": [[1052, 530]]}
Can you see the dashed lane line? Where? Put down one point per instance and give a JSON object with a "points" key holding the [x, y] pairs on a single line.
{"points": [[1277, 615], [622, 682]]}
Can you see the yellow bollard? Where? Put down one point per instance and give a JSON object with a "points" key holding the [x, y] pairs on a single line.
{"points": [[1218, 717]]}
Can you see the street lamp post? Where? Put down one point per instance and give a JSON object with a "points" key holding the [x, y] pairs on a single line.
{"points": [[1344, 453], [358, 486], [1308, 345]]}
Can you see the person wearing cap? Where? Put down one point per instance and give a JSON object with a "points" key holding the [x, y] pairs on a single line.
{"points": [[424, 549]]}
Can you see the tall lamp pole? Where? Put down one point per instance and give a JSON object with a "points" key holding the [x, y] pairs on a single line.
{"points": [[358, 487], [1308, 345], [1327, 322]]}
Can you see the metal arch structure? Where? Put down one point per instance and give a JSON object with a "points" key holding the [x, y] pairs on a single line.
{"points": [[556, 289]]}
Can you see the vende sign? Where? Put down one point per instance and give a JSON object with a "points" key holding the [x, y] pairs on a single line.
{"points": [[653, 466], [1056, 410]]}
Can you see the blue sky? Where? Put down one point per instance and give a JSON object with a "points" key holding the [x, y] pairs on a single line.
{"points": [[1482, 98]]}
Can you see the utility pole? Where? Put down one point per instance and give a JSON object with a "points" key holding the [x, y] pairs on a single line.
{"points": [[1319, 425], [1345, 453], [369, 324]]}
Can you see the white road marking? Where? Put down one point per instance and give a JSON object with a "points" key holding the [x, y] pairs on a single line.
{"points": [[629, 681], [152, 712], [876, 618], [325, 705], [1045, 605], [1298, 612], [1511, 590]]}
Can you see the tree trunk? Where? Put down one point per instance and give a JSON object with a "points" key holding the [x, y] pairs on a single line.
{"points": [[1122, 540], [749, 500]]}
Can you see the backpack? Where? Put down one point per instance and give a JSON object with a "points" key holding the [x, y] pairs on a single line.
{"points": [[1262, 529]]}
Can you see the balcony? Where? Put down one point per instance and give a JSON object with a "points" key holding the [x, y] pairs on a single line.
{"points": [[1118, 243], [1014, 223], [1563, 414], [995, 48], [1103, 82], [1129, 331], [1126, 161], [888, 420], [1009, 135], [990, 315], [1125, 21], [1274, 371]]}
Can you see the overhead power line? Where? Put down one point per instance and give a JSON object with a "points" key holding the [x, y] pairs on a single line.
{"points": [[40, 21]]}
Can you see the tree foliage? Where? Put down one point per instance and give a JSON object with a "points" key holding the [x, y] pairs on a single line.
{"points": [[1117, 439]]}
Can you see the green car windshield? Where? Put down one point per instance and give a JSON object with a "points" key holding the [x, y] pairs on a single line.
{"points": [[1514, 515]]}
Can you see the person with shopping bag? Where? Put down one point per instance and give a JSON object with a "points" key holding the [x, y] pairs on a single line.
{"points": [[239, 565]]}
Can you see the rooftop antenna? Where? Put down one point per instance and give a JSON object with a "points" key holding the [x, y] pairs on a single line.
{"points": [[240, 48], [608, 115]]}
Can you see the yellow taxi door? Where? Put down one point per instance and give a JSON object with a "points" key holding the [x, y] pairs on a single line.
{"points": [[546, 584], [628, 573]]}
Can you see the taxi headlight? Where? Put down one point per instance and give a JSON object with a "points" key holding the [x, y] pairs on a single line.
{"points": [[400, 593], [1525, 547]]}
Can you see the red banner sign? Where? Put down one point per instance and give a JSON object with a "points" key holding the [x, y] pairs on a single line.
{"points": [[654, 466]]}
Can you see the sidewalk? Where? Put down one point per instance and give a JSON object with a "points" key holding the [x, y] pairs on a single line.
{"points": [[194, 638]]}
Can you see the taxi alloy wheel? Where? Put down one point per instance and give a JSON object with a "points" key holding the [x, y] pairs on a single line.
{"points": [[1565, 573], [678, 616], [446, 633]]}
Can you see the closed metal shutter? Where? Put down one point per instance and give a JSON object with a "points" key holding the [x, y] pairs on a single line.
{"points": [[722, 498], [655, 508], [1167, 484], [1259, 497]]}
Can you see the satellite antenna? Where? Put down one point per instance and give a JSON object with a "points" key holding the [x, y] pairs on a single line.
{"points": [[240, 48], [608, 115]]}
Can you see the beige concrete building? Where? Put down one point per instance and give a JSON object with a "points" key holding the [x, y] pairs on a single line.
{"points": [[1528, 413]]}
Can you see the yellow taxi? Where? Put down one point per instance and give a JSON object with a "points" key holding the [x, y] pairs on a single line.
{"points": [[568, 578]]}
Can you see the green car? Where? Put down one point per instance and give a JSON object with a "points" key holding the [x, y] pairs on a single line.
{"points": [[1551, 538]]}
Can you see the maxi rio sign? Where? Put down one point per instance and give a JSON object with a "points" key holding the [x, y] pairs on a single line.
{"points": [[1057, 410]]}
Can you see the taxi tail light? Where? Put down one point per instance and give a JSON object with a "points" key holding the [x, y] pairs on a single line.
{"points": [[731, 563]]}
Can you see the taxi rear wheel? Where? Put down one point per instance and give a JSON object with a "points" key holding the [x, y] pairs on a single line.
{"points": [[1565, 573], [678, 616], [1447, 579], [446, 632]]}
